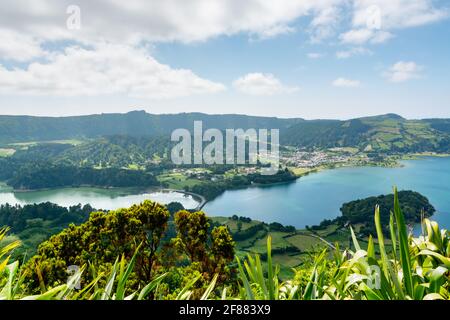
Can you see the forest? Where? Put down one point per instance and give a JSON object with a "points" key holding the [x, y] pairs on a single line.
{"points": [[359, 212], [34, 223]]}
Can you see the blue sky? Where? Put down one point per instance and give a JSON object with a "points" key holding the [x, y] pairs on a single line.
{"points": [[297, 58]]}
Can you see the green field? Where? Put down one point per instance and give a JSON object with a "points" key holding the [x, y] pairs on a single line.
{"points": [[74, 142], [177, 180], [6, 152], [290, 249], [305, 242]]}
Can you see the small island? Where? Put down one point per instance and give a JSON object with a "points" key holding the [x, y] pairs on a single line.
{"points": [[359, 213]]}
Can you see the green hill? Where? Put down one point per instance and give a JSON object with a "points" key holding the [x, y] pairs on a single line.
{"points": [[135, 123], [385, 133]]}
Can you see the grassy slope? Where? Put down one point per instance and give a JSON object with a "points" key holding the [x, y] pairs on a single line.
{"points": [[303, 240]]}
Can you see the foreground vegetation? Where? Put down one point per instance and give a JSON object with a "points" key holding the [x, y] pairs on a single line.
{"points": [[416, 268], [291, 247], [32, 224]]}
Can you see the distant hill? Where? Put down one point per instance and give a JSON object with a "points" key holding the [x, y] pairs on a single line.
{"points": [[135, 123], [385, 133], [414, 207], [115, 151]]}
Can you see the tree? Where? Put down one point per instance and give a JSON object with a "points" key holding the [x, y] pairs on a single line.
{"points": [[100, 240], [174, 207], [192, 233], [153, 217], [213, 251]]}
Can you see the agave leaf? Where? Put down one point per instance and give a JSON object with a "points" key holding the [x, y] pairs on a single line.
{"points": [[8, 289], [210, 288], [393, 235], [260, 274], [224, 294], [404, 246], [370, 293], [75, 278], [433, 296], [434, 234], [110, 283], [270, 274], [185, 293], [440, 257], [386, 265], [371, 248], [355, 241], [83, 293], [49, 295], [245, 282], [437, 278], [124, 275], [151, 286]]}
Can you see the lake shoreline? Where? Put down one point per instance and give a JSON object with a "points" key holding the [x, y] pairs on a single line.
{"points": [[202, 201], [314, 199]]}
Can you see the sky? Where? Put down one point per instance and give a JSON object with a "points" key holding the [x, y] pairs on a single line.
{"points": [[312, 59]]}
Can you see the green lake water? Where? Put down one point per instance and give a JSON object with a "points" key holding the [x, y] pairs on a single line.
{"points": [[98, 198]]}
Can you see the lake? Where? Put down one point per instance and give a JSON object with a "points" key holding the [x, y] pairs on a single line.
{"points": [[108, 199], [306, 201], [319, 196]]}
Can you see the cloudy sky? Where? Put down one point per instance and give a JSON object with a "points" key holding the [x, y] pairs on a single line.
{"points": [[286, 58]]}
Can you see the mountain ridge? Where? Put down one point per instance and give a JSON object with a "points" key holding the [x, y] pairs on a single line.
{"points": [[385, 133]]}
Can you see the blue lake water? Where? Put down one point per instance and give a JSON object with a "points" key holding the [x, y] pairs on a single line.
{"points": [[306, 201], [319, 196]]}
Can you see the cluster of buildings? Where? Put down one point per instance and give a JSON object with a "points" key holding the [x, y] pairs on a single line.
{"points": [[303, 159]]}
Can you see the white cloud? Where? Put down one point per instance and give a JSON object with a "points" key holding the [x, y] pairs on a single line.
{"points": [[364, 35], [315, 55], [261, 84], [346, 83], [27, 27], [18, 47], [373, 20], [325, 22], [134, 21], [395, 14], [154, 20], [275, 31], [356, 36], [403, 71], [356, 51], [381, 37], [106, 69]]}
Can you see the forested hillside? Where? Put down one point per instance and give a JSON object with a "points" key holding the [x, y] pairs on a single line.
{"points": [[386, 133], [136, 123], [359, 213]]}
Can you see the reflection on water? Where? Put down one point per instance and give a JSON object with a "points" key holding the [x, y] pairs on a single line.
{"points": [[107, 199]]}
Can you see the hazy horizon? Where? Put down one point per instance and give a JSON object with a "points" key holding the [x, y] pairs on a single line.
{"points": [[216, 114]]}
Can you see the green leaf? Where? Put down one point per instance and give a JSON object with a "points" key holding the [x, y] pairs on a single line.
{"points": [[270, 273], [244, 279], [210, 288], [404, 246], [151, 286], [355, 241]]}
